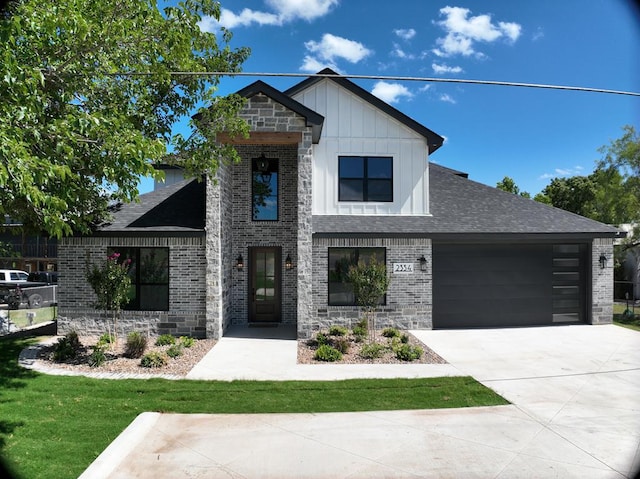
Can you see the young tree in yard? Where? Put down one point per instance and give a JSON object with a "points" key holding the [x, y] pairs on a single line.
{"points": [[370, 283], [111, 283], [88, 100]]}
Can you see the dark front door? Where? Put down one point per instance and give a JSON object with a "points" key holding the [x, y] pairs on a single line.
{"points": [[265, 303]]}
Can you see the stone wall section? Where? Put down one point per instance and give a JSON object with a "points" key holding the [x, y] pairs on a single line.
{"points": [[76, 299], [602, 282], [409, 298]]}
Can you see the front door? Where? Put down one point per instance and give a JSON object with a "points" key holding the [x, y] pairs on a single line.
{"points": [[264, 289]]}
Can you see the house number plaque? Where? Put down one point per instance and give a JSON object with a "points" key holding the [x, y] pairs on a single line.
{"points": [[402, 268]]}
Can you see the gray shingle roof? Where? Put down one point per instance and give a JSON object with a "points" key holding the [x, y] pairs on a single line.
{"points": [[177, 208], [460, 206]]}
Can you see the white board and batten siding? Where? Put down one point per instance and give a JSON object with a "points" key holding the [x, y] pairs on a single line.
{"points": [[353, 127]]}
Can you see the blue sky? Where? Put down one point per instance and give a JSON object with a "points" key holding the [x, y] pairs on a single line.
{"points": [[531, 135]]}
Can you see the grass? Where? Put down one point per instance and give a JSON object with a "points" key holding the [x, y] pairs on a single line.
{"points": [[55, 426], [626, 322]]}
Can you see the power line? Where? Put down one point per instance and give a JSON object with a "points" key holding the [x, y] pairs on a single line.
{"points": [[394, 78]]}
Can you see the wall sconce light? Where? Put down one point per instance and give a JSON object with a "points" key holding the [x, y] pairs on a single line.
{"points": [[423, 263], [239, 262], [603, 261], [288, 264]]}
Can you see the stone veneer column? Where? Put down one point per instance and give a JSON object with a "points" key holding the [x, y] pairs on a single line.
{"points": [[602, 282], [213, 230], [305, 249]]}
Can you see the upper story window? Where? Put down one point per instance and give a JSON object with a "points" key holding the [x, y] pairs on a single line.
{"points": [[264, 189], [365, 178]]}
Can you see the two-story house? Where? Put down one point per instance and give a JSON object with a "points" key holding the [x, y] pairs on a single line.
{"points": [[330, 174]]}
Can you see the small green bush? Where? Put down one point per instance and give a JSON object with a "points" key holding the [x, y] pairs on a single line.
{"points": [[404, 338], [136, 345], [406, 352], [97, 357], [390, 333], [327, 353], [372, 350], [174, 351], [338, 331], [342, 345], [165, 340], [64, 350], [187, 341], [105, 339], [74, 340], [153, 360], [322, 339]]}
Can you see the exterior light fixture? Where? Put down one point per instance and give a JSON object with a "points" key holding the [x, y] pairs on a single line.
{"points": [[262, 165], [239, 262], [423, 263], [288, 264], [603, 261]]}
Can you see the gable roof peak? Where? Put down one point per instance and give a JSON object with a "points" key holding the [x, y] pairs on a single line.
{"points": [[434, 141]]}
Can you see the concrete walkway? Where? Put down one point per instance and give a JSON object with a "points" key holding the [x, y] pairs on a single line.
{"points": [[576, 413]]}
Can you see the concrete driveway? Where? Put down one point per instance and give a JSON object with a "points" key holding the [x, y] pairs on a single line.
{"points": [[576, 413]]}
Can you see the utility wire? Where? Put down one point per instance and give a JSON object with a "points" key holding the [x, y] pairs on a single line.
{"points": [[394, 78]]}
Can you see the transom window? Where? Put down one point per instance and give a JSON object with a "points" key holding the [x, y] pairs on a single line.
{"points": [[264, 189], [340, 260], [365, 178], [149, 273]]}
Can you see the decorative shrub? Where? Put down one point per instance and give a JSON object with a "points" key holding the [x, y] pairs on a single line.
{"points": [[327, 353], [390, 333], [135, 346], [322, 339], [105, 339], [404, 338], [187, 341], [372, 350], [338, 331], [64, 349], [165, 340], [153, 360], [174, 351], [97, 357], [74, 340], [406, 352], [341, 344]]}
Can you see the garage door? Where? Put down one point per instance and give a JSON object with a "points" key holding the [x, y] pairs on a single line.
{"points": [[497, 285]]}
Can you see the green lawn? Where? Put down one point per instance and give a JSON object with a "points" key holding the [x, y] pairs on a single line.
{"points": [[55, 426], [626, 321]]}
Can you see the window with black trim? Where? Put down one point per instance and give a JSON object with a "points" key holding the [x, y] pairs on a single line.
{"points": [[340, 260], [365, 178], [149, 273], [264, 189]]}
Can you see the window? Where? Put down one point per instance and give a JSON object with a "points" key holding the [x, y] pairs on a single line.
{"points": [[149, 273], [365, 178], [264, 189], [340, 259]]}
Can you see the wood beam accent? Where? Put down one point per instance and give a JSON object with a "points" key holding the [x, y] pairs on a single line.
{"points": [[262, 138]]}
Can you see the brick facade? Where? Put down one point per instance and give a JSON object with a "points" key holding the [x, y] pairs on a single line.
{"points": [[602, 282], [76, 299]]}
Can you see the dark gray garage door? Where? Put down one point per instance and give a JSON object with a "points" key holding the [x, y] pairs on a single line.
{"points": [[494, 285]]}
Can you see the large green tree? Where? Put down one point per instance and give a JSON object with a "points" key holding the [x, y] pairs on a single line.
{"points": [[509, 185], [88, 103]]}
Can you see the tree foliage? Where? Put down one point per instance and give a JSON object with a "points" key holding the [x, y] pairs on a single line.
{"points": [[88, 103], [509, 185]]}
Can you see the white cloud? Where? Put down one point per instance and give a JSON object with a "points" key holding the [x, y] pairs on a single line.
{"points": [[424, 88], [563, 172], [332, 47], [463, 31], [538, 34], [447, 99], [443, 68], [400, 53], [284, 11], [312, 64], [390, 92], [405, 34]]}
